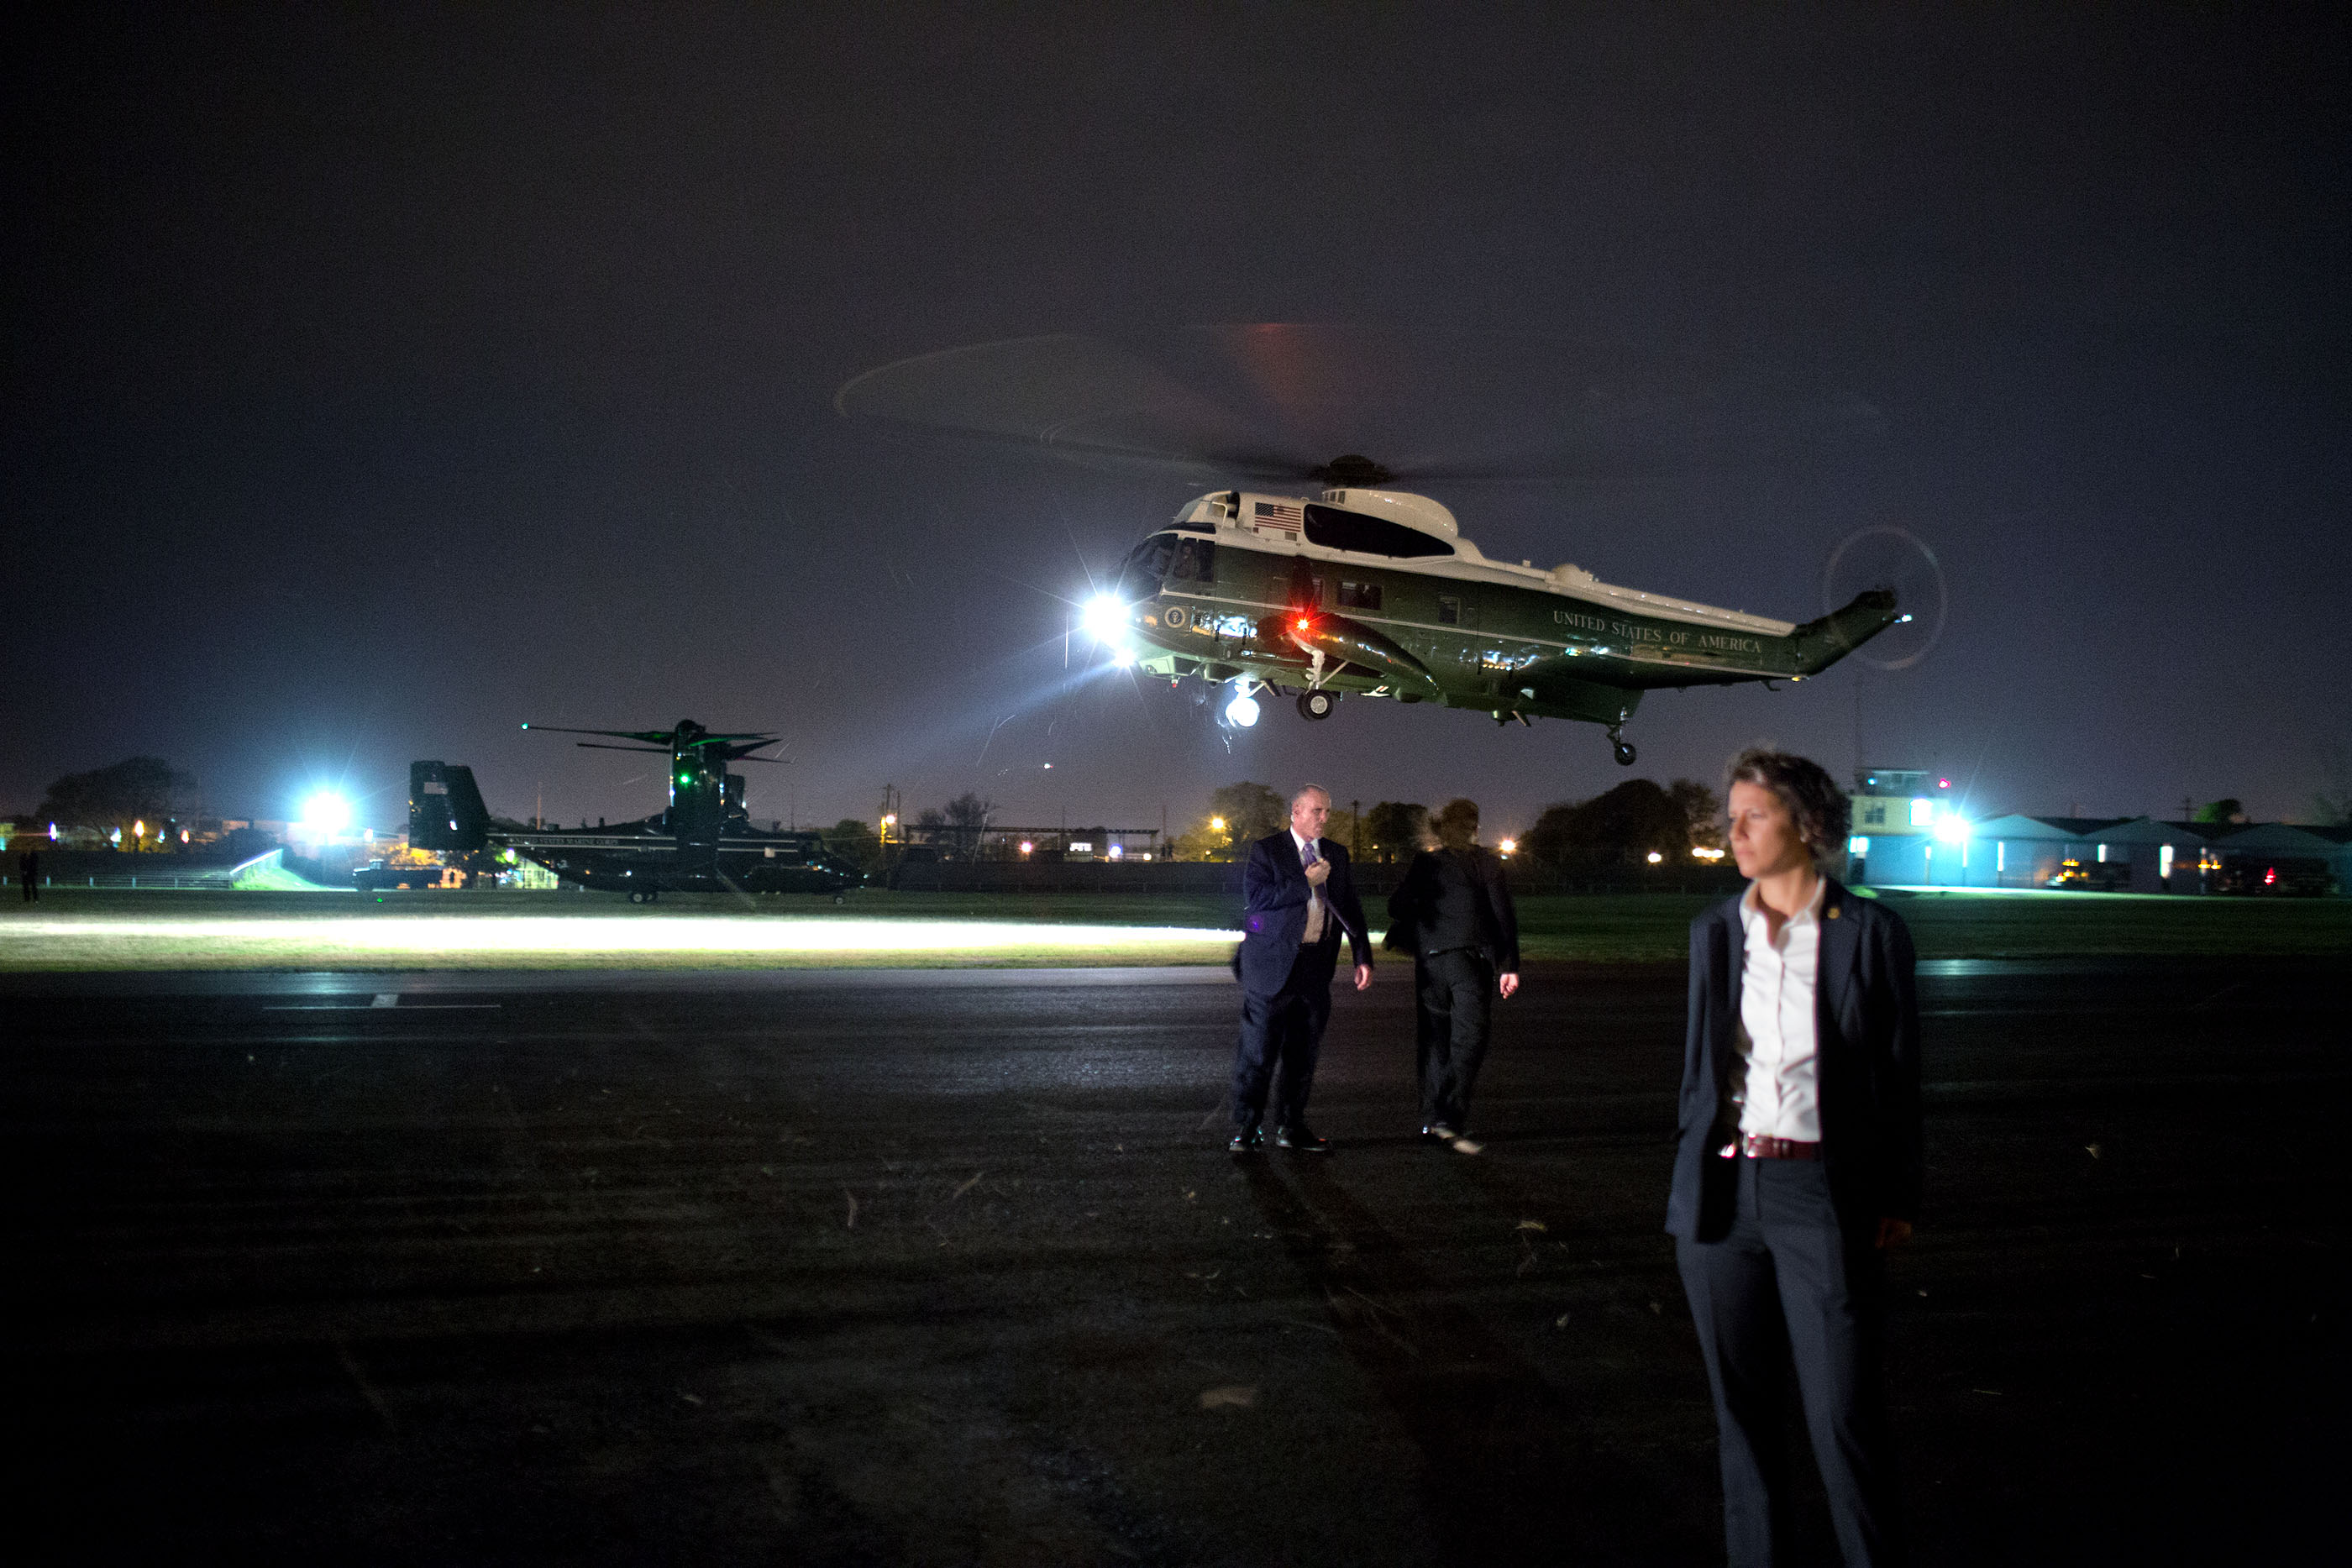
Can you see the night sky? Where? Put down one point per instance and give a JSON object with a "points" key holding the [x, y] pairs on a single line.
{"points": [[377, 383]]}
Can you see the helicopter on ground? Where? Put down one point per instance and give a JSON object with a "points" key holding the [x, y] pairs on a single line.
{"points": [[1359, 586], [704, 842]]}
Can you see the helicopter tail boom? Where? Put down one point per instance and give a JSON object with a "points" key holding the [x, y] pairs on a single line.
{"points": [[1822, 643]]}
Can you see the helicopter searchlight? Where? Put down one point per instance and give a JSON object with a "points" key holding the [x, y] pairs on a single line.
{"points": [[1104, 618], [1241, 712]]}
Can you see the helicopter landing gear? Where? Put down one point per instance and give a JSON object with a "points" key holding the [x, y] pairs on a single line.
{"points": [[1317, 704], [644, 895], [1624, 747]]}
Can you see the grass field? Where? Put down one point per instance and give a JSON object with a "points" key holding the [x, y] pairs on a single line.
{"points": [[78, 930]]}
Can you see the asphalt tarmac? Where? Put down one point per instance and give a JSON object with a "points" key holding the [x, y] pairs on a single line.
{"points": [[951, 1267]]}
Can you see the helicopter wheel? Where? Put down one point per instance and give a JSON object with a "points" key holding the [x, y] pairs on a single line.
{"points": [[1317, 704], [636, 897], [1625, 753], [839, 898]]}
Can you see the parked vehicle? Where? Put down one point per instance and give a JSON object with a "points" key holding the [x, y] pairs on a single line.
{"points": [[2277, 876], [2092, 876]]}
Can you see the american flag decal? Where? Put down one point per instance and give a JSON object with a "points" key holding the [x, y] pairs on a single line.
{"points": [[1276, 515]]}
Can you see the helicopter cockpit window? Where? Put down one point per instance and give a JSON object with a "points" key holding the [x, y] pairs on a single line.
{"points": [[1336, 529], [1140, 577], [1196, 561]]}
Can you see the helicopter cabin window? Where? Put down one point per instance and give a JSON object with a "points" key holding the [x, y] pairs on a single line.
{"points": [[1336, 529], [1449, 610], [1196, 561], [1140, 577], [1359, 595]]}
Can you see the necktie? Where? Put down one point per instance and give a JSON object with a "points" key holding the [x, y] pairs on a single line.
{"points": [[1314, 900]]}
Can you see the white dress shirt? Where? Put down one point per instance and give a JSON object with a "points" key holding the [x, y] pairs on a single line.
{"points": [[1778, 1079], [1314, 932]]}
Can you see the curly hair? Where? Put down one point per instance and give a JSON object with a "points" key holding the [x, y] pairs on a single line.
{"points": [[1816, 805]]}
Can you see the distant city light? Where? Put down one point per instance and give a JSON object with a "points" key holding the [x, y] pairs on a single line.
{"points": [[1656, 857], [1118, 851], [1701, 852], [1026, 846], [326, 811], [1216, 825], [1508, 846]]}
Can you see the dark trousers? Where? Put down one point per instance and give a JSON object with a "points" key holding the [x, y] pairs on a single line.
{"points": [[1786, 1280], [1280, 1037], [1454, 1004]]}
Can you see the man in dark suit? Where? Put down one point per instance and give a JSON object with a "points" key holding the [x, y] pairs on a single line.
{"points": [[1798, 1161], [1297, 897], [1454, 914]]}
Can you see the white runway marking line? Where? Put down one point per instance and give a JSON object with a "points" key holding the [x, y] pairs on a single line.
{"points": [[382, 999]]}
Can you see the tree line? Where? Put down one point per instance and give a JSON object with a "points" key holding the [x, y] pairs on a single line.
{"points": [[1623, 826]]}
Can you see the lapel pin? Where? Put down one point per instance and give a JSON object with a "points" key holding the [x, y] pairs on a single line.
{"points": [[1834, 912]]}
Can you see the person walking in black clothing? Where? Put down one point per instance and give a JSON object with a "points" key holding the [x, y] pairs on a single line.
{"points": [[28, 872], [1453, 913]]}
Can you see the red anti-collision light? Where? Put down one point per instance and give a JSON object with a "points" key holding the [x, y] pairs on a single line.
{"points": [[1306, 623]]}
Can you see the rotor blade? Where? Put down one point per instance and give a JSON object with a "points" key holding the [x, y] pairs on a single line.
{"points": [[1084, 399], [648, 736], [593, 745]]}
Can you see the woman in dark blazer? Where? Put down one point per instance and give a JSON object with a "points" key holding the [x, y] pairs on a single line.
{"points": [[1453, 911], [1798, 1161]]}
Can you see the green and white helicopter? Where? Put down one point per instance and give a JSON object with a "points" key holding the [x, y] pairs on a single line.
{"points": [[1360, 589], [1355, 586]]}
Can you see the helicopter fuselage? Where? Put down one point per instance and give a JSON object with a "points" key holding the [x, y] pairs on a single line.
{"points": [[1375, 592]]}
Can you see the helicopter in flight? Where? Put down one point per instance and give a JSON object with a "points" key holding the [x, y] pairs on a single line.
{"points": [[1366, 589], [1333, 579], [704, 842]]}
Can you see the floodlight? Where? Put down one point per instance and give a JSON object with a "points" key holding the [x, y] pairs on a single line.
{"points": [[1241, 712], [326, 811], [1953, 829]]}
